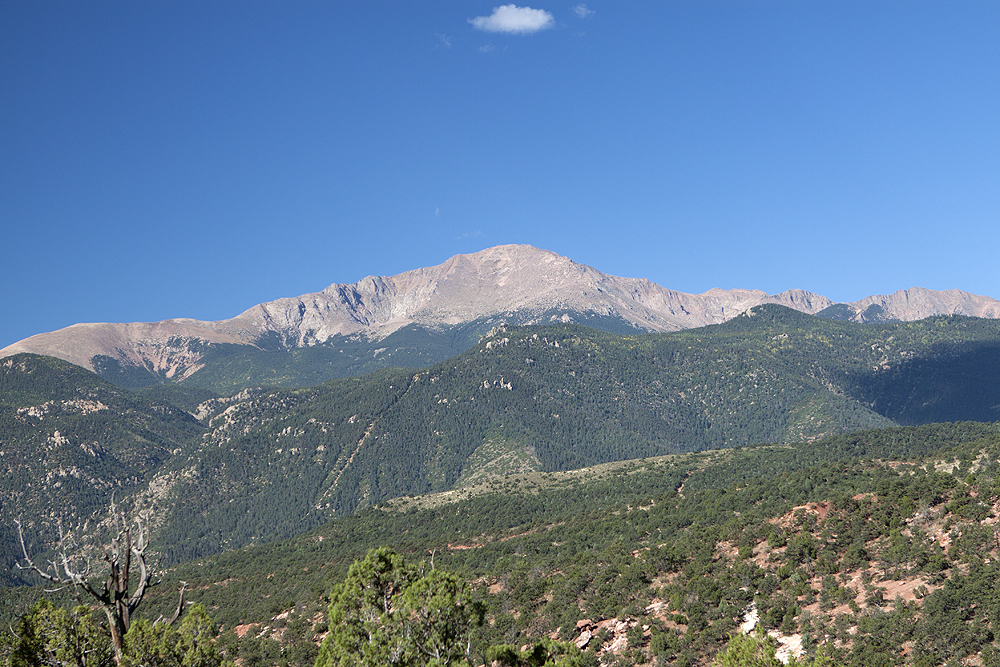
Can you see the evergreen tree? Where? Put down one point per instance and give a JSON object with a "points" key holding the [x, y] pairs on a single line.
{"points": [[51, 636], [387, 612]]}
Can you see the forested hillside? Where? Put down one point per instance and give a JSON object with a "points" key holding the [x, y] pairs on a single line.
{"points": [[68, 441], [229, 368], [849, 546], [847, 543], [267, 464], [562, 397]]}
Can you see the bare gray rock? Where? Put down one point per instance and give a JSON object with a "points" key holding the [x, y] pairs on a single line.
{"points": [[495, 281]]}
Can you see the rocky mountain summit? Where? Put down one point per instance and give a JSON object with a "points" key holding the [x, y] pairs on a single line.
{"points": [[516, 282]]}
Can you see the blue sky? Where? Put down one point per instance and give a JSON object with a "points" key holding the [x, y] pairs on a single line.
{"points": [[192, 159]]}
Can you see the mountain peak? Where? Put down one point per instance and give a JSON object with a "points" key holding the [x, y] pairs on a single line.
{"points": [[521, 282]]}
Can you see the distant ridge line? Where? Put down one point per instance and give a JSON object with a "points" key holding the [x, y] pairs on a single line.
{"points": [[498, 281]]}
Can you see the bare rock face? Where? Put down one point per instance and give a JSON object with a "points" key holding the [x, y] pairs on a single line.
{"points": [[917, 303], [157, 346], [496, 281]]}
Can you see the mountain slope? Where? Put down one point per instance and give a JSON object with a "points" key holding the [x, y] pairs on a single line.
{"points": [[69, 440], [913, 304], [558, 398], [444, 308], [266, 464], [815, 540]]}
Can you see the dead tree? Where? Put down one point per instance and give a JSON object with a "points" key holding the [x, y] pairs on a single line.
{"points": [[126, 552]]}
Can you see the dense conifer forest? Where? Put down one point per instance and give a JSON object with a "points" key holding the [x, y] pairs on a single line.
{"points": [[637, 496], [849, 544]]}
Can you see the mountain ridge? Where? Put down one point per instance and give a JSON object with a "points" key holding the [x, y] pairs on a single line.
{"points": [[533, 398], [504, 281]]}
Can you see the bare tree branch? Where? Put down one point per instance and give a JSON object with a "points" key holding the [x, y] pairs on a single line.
{"points": [[115, 598], [180, 607]]}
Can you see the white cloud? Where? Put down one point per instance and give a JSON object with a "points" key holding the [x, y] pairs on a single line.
{"points": [[486, 48], [444, 39], [514, 19], [582, 11]]}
